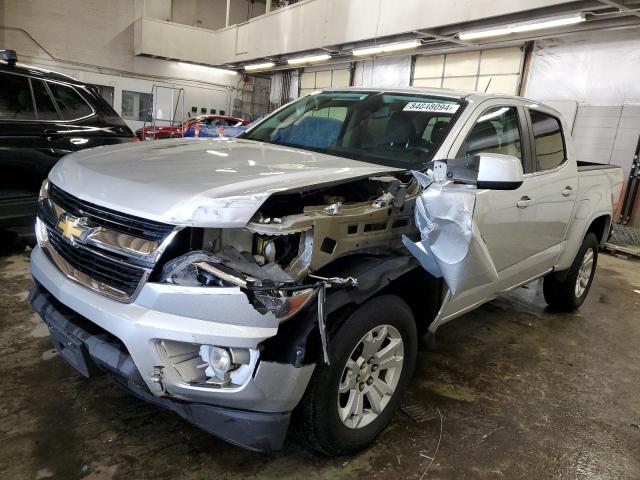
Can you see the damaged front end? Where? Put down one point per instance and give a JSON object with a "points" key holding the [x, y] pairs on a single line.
{"points": [[282, 259]]}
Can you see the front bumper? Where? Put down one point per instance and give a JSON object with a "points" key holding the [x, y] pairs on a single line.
{"points": [[94, 325], [91, 351]]}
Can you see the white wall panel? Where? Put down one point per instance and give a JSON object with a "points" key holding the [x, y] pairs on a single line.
{"points": [[627, 136]]}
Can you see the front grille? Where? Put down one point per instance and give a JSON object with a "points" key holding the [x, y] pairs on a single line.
{"points": [[104, 217], [103, 268]]}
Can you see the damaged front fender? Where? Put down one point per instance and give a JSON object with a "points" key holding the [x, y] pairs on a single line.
{"points": [[451, 246]]}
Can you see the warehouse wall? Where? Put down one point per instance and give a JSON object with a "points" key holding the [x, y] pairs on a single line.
{"points": [[303, 26], [593, 79], [55, 37]]}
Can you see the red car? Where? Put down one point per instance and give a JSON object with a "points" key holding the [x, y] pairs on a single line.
{"points": [[150, 132]]}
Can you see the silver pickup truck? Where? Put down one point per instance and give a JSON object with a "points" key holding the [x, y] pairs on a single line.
{"points": [[289, 275]]}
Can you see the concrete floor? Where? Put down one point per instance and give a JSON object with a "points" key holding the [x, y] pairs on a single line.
{"points": [[514, 391]]}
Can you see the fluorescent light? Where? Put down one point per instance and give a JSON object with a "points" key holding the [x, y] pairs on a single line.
{"points": [[558, 22], [389, 47], [259, 66], [394, 47], [309, 59], [523, 27], [367, 51]]}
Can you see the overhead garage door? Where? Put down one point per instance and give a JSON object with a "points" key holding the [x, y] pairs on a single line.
{"points": [[494, 70], [315, 78]]}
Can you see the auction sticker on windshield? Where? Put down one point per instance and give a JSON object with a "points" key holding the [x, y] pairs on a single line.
{"points": [[431, 107]]}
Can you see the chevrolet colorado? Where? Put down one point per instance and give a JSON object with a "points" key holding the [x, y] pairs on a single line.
{"points": [[289, 274]]}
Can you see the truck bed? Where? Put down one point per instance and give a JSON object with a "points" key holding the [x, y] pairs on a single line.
{"points": [[586, 166]]}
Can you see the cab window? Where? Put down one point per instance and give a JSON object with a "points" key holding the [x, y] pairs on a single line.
{"points": [[548, 141], [497, 130]]}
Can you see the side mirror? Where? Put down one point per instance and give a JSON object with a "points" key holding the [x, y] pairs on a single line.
{"points": [[492, 171]]}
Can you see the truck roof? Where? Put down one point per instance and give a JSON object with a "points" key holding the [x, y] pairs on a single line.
{"points": [[442, 92]]}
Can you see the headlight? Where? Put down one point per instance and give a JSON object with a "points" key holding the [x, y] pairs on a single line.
{"points": [[44, 190], [284, 304], [42, 236]]}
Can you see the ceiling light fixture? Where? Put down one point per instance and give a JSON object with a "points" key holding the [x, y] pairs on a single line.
{"points": [[389, 47], [523, 27], [259, 66], [309, 59]]}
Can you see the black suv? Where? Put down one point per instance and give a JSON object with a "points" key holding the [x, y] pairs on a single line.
{"points": [[43, 116]]}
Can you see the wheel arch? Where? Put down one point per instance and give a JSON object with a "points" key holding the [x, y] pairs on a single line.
{"points": [[601, 227], [298, 339]]}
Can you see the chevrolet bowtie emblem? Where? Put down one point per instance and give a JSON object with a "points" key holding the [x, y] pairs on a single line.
{"points": [[72, 228]]}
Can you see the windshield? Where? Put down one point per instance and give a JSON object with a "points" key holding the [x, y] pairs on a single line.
{"points": [[395, 130]]}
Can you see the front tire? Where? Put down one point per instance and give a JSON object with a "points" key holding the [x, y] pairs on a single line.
{"points": [[568, 294], [349, 402]]}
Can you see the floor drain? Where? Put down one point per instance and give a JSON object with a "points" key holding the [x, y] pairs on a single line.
{"points": [[415, 411]]}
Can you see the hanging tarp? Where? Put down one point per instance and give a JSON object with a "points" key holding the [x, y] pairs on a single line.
{"points": [[594, 68], [383, 72]]}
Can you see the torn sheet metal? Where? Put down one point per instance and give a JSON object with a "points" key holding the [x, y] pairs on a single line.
{"points": [[451, 246]]}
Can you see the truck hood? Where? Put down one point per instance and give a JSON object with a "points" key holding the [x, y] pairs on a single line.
{"points": [[198, 182]]}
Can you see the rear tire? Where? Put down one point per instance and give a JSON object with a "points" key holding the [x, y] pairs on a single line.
{"points": [[343, 409], [569, 293]]}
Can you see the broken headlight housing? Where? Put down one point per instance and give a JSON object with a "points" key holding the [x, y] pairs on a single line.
{"points": [[280, 295], [282, 303]]}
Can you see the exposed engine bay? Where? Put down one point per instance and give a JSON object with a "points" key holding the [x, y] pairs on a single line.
{"points": [[279, 256]]}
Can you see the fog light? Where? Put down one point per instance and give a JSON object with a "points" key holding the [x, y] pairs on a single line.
{"points": [[220, 360], [226, 365]]}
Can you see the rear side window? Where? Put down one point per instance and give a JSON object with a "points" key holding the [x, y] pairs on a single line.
{"points": [[548, 141], [497, 130], [44, 102], [15, 98], [69, 102]]}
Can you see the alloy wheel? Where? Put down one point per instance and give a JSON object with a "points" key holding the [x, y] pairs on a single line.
{"points": [[370, 376]]}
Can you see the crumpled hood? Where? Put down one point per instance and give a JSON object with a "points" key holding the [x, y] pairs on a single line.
{"points": [[198, 182]]}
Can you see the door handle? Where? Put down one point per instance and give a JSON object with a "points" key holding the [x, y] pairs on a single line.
{"points": [[567, 191], [524, 202]]}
